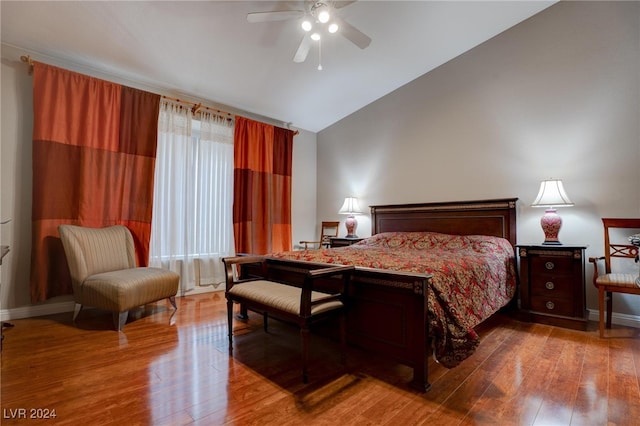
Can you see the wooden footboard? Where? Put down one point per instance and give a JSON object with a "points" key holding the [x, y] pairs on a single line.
{"points": [[388, 315], [386, 311]]}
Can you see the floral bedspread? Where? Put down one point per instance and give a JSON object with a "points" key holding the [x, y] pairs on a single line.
{"points": [[473, 277]]}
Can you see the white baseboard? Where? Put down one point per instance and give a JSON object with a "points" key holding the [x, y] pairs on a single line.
{"points": [[67, 306], [56, 308], [618, 319], [36, 310], [205, 289]]}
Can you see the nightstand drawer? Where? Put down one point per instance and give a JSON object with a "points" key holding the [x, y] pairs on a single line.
{"points": [[553, 286], [543, 265], [552, 306]]}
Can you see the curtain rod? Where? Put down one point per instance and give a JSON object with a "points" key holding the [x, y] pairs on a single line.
{"points": [[197, 106], [27, 59], [194, 109]]}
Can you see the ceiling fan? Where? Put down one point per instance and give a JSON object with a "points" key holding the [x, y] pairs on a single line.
{"points": [[320, 17]]}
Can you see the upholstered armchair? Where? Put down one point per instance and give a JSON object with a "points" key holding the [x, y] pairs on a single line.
{"points": [[104, 273]]}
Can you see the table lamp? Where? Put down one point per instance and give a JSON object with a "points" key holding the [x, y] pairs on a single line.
{"points": [[350, 208], [550, 196]]}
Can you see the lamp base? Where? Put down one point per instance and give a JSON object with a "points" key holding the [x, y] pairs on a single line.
{"points": [[551, 223], [351, 223]]}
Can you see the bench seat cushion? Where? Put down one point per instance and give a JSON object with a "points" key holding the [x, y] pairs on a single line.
{"points": [[128, 288], [281, 296]]}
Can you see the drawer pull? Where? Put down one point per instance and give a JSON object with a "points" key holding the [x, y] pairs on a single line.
{"points": [[549, 265], [549, 285], [550, 305]]}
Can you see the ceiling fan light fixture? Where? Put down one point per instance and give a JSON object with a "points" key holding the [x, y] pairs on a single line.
{"points": [[317, 18], [323, 16], [320, 10]]}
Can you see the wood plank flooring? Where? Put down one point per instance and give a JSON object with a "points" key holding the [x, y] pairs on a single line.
{"points": [[154, 373]]}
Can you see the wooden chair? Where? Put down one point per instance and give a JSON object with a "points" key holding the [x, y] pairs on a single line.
{"points": [[327, 230], [611, 282], [302, 305]]}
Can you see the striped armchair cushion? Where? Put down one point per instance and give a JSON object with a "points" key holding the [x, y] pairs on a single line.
{"points": [[128, 288]]}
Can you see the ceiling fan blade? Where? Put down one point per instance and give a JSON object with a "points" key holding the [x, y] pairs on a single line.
{"points": [[279, 15], [353, 34], [341, 4], [303, 49]]}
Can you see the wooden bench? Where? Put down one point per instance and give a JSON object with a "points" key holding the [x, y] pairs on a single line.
{"points": [[296, 302]]}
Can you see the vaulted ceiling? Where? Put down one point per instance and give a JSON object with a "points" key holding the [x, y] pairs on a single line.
{"points": [[206, 50]]}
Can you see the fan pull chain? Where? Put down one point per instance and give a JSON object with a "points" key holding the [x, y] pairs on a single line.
{"points": [[320, 55]]}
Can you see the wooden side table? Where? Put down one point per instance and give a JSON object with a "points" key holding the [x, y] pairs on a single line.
{"points": [[343, 242], [552, 285]]}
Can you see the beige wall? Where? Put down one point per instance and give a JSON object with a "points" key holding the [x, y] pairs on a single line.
{"points": [[303, 197], [556, 96], [16, 119]]}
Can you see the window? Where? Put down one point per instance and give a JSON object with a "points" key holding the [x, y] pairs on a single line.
{"points": [[192, 224]]}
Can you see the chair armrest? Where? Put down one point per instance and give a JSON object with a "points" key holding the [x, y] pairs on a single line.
{"points": [[328, 298], [306, 243], [314, 274], [238, 260], [595, 260], [229, 262]]}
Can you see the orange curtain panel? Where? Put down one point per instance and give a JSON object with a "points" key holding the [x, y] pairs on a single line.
{"points": [[94, 147], [262, 187]]}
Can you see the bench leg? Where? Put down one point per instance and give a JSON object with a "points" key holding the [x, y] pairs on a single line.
{"points": [[265, 322], [343, 339], [243, 315], [230, 323], [304, 336]]}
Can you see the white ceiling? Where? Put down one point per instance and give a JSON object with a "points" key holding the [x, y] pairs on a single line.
{"points": [[206, 50]]}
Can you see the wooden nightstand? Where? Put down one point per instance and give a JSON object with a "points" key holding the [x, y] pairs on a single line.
{"points": [[343, 242], [552, 285]]}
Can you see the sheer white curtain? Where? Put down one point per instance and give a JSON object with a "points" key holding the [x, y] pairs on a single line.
{"points": [[192, 225]]}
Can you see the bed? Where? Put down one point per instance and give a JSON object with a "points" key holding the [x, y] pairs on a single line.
{"points": [[406, 295]]}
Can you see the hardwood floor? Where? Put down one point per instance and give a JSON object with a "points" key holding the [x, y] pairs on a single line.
{"points": [[154, 373]]}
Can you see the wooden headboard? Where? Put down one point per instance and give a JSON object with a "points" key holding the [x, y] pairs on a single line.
{"points": [[484, 217]]}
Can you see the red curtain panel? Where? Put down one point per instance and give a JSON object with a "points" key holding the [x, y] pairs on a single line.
{"points": [[262, 187], [94, 147]]}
